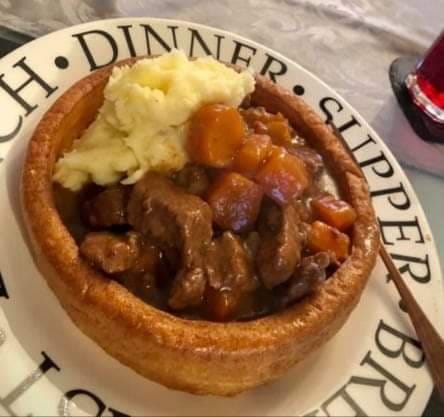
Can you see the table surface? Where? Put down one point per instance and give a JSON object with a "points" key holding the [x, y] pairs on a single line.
{"points": [[353, 37]]}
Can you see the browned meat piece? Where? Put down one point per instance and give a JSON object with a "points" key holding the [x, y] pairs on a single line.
{"points": [[230, 277], [188, 288], [313, 161], [228, 264], [174, 219], [140, 285], [281, 243], [115, 254], [252, 242], [109, 252], [308, 276], [149, 258], [303, 209], [246, 102], [68, 204], [145, 286], [193, 179], [108, 208]]}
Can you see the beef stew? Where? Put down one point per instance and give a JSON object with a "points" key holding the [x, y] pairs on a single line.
{"points": [[245, 229]]}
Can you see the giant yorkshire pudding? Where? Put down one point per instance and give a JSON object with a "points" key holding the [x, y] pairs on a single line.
{"points": [[196, 356]]}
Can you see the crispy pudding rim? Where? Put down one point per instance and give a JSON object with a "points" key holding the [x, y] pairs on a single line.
{"points": [[84, 291]]}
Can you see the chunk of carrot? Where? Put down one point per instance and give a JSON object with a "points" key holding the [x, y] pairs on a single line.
{"points": [[274, 125], [322, 237], [252, 155], [216, 132], [333, 211], [283, 177], [278, 130], [235, 201]]}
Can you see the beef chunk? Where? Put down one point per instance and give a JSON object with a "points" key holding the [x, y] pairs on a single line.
{"points": [[149, 257], [174, 219], [109, 252], [303, 210], [252, 242], [188, 288], [193, 179], [246, 102], [282, 238], [308, 276], [128, 254], [230, 277], [228, 264], [312, 160], [144, 286], [108, 208]]}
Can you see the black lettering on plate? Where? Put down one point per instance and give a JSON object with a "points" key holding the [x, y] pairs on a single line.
{"points": [[242, 53], [382, 384], [11, 135], [100, 406], [273, 68], [85, 37], [311, 414], [116, 413], [403, 200], [324, 104], [347, 125], [66, 401], [409, 261], [61, 62], [364, 143], [339, 398], [3, 290], [392, 343], [14, 92], [195, 35], [337, 107], [28, 382], [380, 165], [129, 41], [151, 33], [299, 90], [400, 225]]}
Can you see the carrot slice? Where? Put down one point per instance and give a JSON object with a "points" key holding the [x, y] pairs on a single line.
{"points": [[252, 155], [333, 211], [216, 132], [283, 177], [274, 125], [235, 201], [322, 237]]}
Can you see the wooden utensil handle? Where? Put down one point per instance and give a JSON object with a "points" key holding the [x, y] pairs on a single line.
{"points": [[432, 342]]}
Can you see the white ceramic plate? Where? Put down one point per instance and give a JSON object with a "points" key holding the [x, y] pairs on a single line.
{"points": [[48, 367]]}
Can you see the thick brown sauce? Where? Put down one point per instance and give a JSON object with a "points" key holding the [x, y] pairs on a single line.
{"points": [[154, 290]]}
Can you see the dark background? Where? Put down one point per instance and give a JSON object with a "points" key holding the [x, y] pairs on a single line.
{"points": [[10, 40]]}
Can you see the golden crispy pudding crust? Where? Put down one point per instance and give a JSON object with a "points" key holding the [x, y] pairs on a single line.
{"points": [[195, 356]]}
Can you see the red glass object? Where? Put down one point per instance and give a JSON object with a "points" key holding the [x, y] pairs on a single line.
{"points": [[426, 85]]}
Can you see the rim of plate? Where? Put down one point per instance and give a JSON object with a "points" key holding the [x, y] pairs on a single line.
{"points": [[418, 209]]}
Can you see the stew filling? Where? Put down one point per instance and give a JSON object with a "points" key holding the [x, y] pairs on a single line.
{"points": [[245, 229]]}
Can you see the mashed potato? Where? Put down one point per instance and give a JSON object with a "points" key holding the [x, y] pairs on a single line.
{"points": [[143, 122]]}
